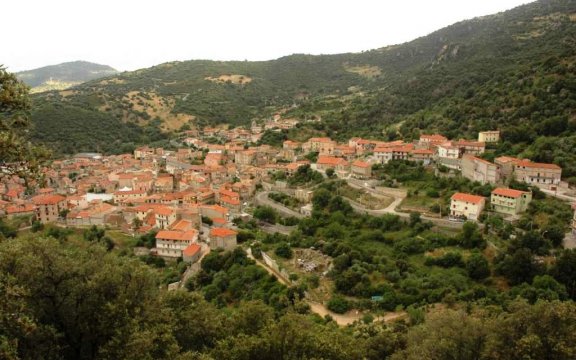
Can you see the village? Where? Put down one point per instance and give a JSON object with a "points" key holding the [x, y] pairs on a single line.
{"points": [[194, 196]]}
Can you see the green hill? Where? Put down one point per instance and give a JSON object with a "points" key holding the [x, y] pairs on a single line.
{"points": [[65, 75], [513, 71]]}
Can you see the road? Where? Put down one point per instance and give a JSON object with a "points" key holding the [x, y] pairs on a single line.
{"points": [[262, 199]]}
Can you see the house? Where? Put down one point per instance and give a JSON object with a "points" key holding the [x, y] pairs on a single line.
{"points": [[128, 195], [171, 243], [192, 253], [164, 184], [48, 207], [470, 147], [213, 159], [466, 206], [430, 141], [543, 175], [222, 238], [489, 136], [448, 150], [331, 162], [398, 152], [424, 156], [323, 145], [20, 210], [214, 211], [510, 201], [361, 169], [477, 169], [245, 157], [164, 217], [506, 164]]}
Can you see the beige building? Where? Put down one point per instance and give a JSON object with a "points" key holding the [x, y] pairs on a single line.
{"points": [[192, 253], [466, 206], [510, 201], [361, 169], [543, 175], [449, 151], [324, 145], [489, 136], [48, 207], [476, 169], [171, 243], [470, 147], [223, 238]]}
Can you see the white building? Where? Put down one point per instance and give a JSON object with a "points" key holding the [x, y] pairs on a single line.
{"points": [[171, 243], [466, 206]]}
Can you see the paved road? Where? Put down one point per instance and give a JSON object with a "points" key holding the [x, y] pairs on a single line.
{"points": [[262, 199]]}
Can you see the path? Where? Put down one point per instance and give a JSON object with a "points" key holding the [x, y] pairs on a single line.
{"points": [[320, 309]]}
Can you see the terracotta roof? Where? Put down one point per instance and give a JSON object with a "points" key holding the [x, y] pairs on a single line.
{"points": [[189, 235], [433, 137], [475, 199], [508, 192], [507, 159], [229, 200], [530, 164], [164, 211], [320, 139], [361, 164], [47, 199], [423, 152], [474, 158], [330, 160], [463, 142], [181, 225], [23, 208], [191, 250], [222, 232]]}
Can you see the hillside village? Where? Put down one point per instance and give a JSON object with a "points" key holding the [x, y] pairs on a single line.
{"points": [[193, 197]]}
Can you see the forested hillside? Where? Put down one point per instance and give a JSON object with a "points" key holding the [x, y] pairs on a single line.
{"points": [[61, 76], [513, 71]]}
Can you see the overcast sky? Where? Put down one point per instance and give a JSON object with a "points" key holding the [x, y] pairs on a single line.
{"points": [[130, 34]]}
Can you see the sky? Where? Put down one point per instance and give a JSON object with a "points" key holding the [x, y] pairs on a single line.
{"points": [[130, 34]]}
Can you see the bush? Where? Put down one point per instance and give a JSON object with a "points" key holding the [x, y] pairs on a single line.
{"points": [[338, 305]]}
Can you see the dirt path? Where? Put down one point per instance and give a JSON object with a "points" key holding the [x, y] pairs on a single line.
{"points": [[320, 309]]}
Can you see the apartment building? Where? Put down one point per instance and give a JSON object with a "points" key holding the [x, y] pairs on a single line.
{"points": [[466, 206], [477, 169], [510, 201]]}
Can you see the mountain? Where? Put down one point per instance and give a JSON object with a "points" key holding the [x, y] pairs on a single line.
{"points": [[65, 75], [513, 71]]}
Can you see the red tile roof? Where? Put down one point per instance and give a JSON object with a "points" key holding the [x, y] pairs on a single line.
{"points": [[222, 232], [361, 164], [48, 199], [508, 192], [475, 199], [189, 235], [330, 160], [191, 250], [530, 164]]}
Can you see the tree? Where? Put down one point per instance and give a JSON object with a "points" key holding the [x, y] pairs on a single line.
{"points": [[564, 270], [266, 213], [283, 250], [477, 266], [17, 155], [471, 237]]}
